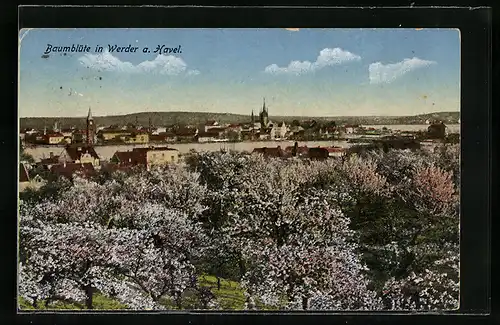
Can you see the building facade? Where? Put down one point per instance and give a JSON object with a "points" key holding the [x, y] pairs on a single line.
{"points": [[79, 154]]}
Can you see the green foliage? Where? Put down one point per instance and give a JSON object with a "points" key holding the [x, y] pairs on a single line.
{"points": [[230, 295], [101, 302], [41, 305]]}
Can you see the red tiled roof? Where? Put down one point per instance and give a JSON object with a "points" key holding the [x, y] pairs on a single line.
{"points": [[67, 170], [23, 173], [318, 152], [303, 149], [134, 157], [56, 134], [209, 134], [125, 157], [185, 132], [159, 137], [167, 134], [126, 167], [75, 152], [335, 149], [50, 161], [274, 152]]}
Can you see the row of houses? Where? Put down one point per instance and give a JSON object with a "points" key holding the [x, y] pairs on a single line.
{"points": [[211, 131], [384, 144], [85, 160], [302, 152]]}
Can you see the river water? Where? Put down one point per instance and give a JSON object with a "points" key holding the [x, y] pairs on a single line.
{"points": [[106, 152]]}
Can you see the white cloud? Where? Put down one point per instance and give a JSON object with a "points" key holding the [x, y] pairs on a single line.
{"points": [[327, 57], [386, 73], [193, 72], [162, 64]]}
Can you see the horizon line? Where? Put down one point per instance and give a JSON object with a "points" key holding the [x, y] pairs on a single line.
{"points": [[237, 114]]}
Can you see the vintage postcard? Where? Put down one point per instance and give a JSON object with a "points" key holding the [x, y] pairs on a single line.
{"points": [[282, 169]]}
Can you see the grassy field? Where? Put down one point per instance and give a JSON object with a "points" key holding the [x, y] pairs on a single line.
{"points": [[230, 297]]}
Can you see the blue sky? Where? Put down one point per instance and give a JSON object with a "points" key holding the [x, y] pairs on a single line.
{"points": [[309, 72]]}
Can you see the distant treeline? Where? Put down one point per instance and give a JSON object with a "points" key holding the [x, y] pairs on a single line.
{"points": [[194, 118]]}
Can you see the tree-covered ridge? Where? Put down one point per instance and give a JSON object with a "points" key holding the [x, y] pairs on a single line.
{"points": [[195, 118]]}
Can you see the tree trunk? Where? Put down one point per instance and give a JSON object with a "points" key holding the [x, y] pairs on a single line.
{"points": [[178, 300], [35, 303], [305, 300], [249, 303], [218, 283], [89, 296], [241, 265]]}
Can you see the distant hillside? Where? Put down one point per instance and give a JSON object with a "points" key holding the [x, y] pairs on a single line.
{"points": [[185, 118]]}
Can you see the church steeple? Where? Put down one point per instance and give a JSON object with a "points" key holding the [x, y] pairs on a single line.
{"points": [[90, 131], [264, 117]]}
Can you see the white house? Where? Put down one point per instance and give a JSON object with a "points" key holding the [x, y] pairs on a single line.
{"points": [[159, 130], [279, 131], [206, 137], [26, 182], [210, 125], [349, 129]]}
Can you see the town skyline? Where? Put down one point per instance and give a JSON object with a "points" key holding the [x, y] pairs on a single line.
{"points": [[310, 72]]}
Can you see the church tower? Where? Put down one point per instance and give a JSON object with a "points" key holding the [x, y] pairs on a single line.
{"points": [[264, 116], [252, 126], [90, 134]]}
